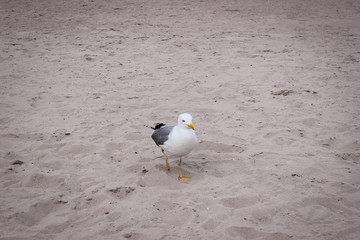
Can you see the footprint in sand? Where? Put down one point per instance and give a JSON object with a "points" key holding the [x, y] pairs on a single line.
{"points": [[251, 233], [239, 202], [35, 214]]}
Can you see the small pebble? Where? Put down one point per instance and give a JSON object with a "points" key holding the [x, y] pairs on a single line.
{"points": [[18, 162]]}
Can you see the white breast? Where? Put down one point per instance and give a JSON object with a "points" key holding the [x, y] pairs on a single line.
{"points": [[181, 142]]}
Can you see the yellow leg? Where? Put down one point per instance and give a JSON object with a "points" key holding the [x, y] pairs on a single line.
{"points": [[181, 178], [166, 160]]}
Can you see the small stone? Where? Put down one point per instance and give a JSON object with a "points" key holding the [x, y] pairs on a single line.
{"points": [[127, 235], [18, 162]]}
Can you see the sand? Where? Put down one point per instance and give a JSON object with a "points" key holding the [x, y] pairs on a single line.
{"points": [[273, 88]]}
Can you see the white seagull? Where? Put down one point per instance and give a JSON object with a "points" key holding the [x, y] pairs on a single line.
{"points": [[176, 141]]}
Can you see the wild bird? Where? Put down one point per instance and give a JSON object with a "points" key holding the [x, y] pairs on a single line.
{"points": [[176, 141]]}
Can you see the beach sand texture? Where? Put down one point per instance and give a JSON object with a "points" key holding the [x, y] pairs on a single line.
{"points": [[273, 88]]}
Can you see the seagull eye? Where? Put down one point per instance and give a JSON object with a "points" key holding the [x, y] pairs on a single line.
{"points": [[183, 120]]}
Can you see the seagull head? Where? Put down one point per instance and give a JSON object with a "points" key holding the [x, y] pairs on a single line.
{"points": [[185, 120]]}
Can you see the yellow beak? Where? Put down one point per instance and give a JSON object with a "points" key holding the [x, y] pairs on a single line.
{"points": [[191, 126]]}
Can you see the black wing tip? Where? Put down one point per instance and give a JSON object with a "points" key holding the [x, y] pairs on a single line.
{"points": [[158, 126]]}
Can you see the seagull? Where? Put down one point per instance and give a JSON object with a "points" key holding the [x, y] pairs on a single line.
{"points": [[176, 141]]}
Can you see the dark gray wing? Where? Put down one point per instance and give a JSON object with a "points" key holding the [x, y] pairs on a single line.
{"points": [[161, 135]]}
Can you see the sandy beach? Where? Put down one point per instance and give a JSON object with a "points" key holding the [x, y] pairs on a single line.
{"points": [[273, 88]]}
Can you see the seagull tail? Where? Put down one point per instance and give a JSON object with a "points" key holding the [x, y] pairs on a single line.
{"points": [[158, 126]]}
